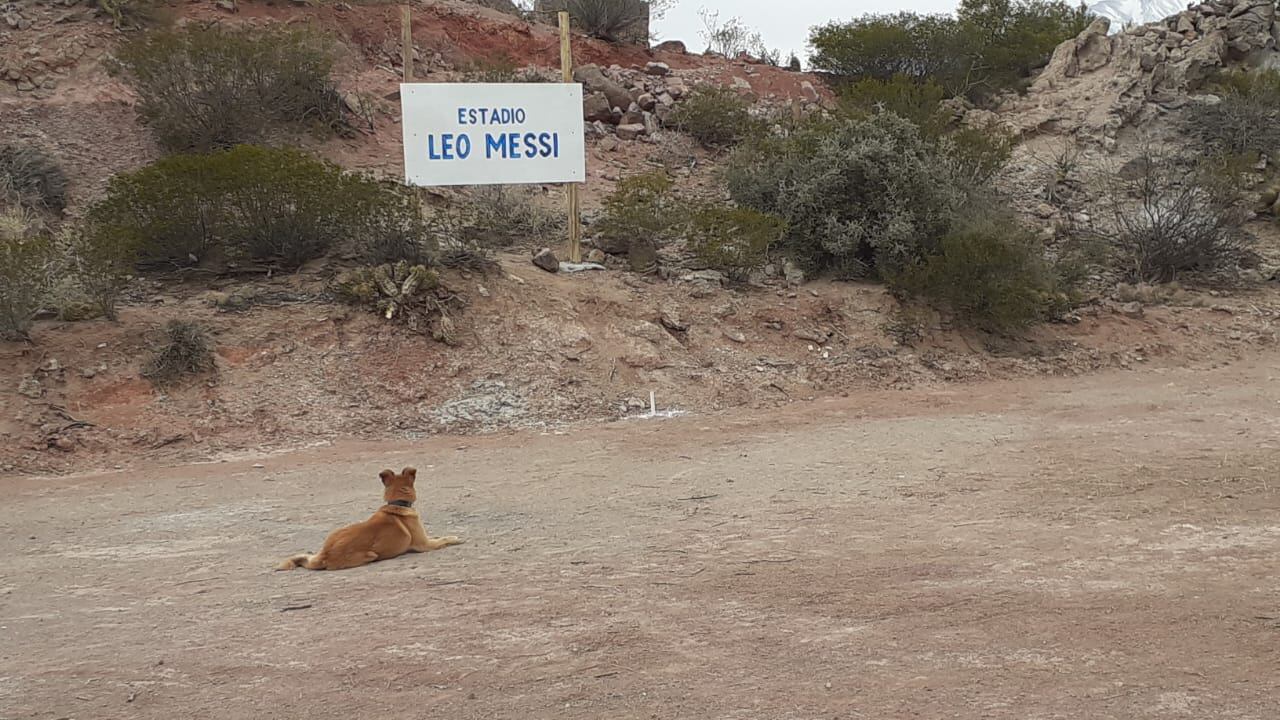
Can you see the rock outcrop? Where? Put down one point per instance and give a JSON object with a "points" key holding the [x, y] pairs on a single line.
{"points": [[1096, 84]]}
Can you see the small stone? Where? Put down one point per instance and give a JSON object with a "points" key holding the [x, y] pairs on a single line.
{"points": [[816, 336], [735, 336], [609, 143], [596, 255], [1132, 310], [547, 260], [88, 373], [660, 69], [792, 273], [671, 320], [227, 5], [631, 131], [25, 86], [30, 387], [651, 124], [809, 91], [647, 101]]}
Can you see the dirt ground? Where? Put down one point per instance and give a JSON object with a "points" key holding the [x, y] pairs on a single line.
{"points": [[1104, 547]]}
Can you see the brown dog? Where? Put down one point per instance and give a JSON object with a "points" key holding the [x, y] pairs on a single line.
{"points": [[392, 531]]}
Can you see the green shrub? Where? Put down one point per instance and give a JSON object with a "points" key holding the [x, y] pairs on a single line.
{"points": [[976, 154], [916, 100], [640, 207], [186, 350], [103, 264], [733, 240], [988, 272], [28, 269], [33, 176], [988, 47], [1245, 121], [880, 47], [275, 205], [859, 196], [205, 88], [129, 13], [715, 116], [1013, 38]]}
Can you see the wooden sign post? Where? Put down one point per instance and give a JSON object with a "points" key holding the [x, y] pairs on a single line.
{"points": [[406, 42], [556, 154], [575, 212]]}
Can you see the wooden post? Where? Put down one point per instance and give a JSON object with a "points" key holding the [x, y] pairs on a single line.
{"points": [[575, 214], [406, 41]]}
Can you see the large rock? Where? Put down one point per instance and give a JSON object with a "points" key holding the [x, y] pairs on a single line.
{"points": [[596, 107], [631, 131], [547, 260], [1085, 53], [594, 79]]}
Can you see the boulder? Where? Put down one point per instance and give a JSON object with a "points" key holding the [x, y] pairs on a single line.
{"points": [[631, 131], [659, 69], [547, 260], [596, 107], [594, 79], [671, 46]]}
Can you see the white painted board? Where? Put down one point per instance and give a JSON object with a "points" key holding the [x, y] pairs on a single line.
{"points": [[493, 133]]}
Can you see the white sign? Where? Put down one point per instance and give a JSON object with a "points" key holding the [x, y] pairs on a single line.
{"points": [[493, 134]]}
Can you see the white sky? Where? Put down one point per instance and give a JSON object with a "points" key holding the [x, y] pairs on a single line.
{"points": [[784, 24]]}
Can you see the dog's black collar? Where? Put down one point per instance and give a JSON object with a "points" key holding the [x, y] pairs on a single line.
{"points": [[401, 503]]}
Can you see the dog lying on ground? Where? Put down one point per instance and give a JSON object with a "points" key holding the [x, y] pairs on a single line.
{"points": [[392, 531]]}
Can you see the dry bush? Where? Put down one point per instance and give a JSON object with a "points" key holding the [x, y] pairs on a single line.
{"points": [[1245, 119], [411, 295], [610, 20], [206, 88], [33, 177], [29, 265], [186, 350], [1164, 215]]}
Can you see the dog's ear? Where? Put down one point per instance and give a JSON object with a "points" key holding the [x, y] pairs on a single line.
{"points": [[386, 476], [410, 473]]}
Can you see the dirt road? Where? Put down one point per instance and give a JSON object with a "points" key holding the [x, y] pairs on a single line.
{"points": [[1106, 547]]}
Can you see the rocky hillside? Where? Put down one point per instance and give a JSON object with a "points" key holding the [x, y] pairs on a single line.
{"points": [[1099, 86], [542, 350]]}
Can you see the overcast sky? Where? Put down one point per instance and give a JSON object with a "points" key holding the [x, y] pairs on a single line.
{"points": [[784, 24]]}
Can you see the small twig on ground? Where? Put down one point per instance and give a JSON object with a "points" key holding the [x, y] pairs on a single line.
{"points": [[291, 608], [768, 560], [200, 580], [701, 497]]}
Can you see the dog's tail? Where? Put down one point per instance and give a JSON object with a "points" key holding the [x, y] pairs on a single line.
{"points": [[303, 560]]}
